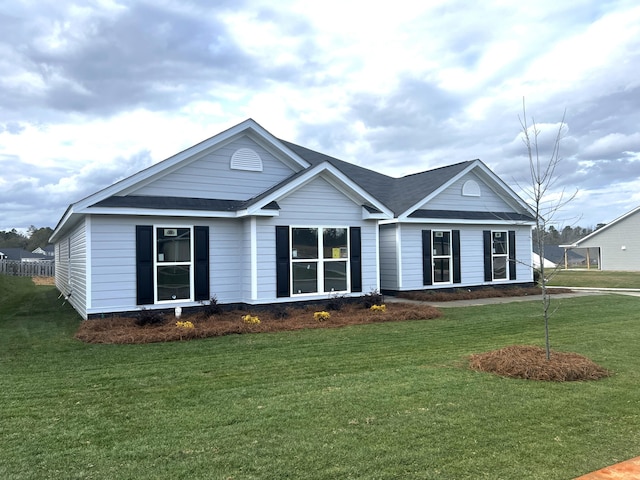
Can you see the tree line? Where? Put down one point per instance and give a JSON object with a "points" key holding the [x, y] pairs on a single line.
{"points": [[566, 236], [34, 238]]}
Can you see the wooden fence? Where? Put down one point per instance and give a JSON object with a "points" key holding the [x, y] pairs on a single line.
{"points": [[27, 269]]}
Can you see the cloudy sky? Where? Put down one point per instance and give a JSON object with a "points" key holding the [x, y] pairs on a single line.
{"points": [[93, 91]]}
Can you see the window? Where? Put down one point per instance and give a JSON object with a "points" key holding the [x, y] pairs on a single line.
{"points": [[174, 263], [441, 256], [319, 260], [499, 255]]}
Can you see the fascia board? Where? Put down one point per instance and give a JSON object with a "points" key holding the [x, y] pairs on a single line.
{"points": [[158, 212], [63, 221], [465, 221], [333, 176]]}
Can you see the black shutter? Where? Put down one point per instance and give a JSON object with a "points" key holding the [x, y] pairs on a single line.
{"points": [[512, 255], [144, 264], [201, 260], [355, 251], [283, 265], [427, 259], [455, 248], [488, 271]]}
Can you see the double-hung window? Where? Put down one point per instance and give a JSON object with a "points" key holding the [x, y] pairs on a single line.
{"points": [[173, 263], [319, 260], [441, 243], [499, 255]]}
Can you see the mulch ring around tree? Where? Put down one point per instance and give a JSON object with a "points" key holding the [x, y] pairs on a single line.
{"points": [[530, 362], [121, 330]]}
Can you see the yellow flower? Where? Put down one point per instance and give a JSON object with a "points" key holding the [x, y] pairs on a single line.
{"points": [[186, 324], [251, 320], [379, 308], [321, 316]]}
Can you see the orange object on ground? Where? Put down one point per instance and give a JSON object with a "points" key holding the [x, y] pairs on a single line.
{"points": [[629, 470]]}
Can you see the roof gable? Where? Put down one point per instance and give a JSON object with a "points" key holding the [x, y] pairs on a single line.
{"points": [[612, 224]]}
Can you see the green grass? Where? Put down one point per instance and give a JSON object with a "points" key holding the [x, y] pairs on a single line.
{"points": [[382, 401], [596, 278]]}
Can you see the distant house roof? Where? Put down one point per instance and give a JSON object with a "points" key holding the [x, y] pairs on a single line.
{"points": [[15, 253], [555, 253]]}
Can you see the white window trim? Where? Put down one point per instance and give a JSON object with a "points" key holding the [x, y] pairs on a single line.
{"points": [[449, 257], [320, 261], [156, 264], [505, 255]]}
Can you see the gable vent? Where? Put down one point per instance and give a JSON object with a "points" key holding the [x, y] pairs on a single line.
{"points": [[471, 189], [246, 159]]}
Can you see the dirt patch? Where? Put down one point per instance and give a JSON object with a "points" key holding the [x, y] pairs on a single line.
{"points": [[464, 294], [530, 362], [128, 330], [44, 280]]}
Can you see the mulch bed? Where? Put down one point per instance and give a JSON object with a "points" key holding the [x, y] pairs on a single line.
{"points": [[119, 330], [489, 292], [530, 362]]}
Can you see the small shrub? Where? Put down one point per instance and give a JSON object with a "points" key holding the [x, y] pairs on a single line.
{"points": [[212, 308], [336, 303], [372, 298], [149, 317], [321, 316], [251, 320], [279, 313], [378, 308]]}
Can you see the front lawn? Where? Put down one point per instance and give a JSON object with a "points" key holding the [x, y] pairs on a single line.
{"points": [[595, 279], [386, 400]]}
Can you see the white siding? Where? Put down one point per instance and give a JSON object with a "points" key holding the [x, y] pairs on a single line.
{"points": [[114, 259], [389, 257], [452, 199], [624, 233], [211, 176], [471, 254], [71, 267], [317, 203]]}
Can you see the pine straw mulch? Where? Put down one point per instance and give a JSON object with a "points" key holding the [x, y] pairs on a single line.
{"points": [[489, 292], [122, 330], [530, 362], [44, 280]]}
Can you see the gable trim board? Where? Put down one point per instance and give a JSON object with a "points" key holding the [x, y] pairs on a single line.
{"points": [[241, 247]]}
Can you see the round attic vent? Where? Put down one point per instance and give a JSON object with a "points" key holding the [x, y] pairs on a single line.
{"points": [[471, 189], [246, 159]]}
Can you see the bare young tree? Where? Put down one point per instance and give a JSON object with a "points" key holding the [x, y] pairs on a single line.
{"points": [[542, 198]]}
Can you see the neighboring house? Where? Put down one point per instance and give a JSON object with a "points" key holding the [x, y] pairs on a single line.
{"points": [[252, 219], [558, 255], [616, 245], [22, 255], [47, 251]]}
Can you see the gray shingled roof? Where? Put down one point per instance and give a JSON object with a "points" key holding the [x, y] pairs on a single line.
{"points": [[398, 194]]}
